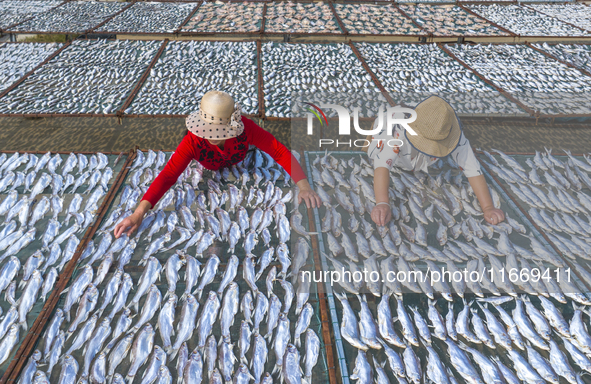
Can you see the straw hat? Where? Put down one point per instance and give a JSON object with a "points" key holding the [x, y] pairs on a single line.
{"points": [[437, 127], [218, 117]]}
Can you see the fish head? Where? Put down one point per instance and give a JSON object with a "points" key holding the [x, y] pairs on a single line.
{"points": [[92, 290], [13, 330], [36, 355], [212, 296]]}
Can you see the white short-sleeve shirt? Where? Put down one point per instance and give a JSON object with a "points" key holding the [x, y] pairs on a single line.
{"points": [[408, 158]]}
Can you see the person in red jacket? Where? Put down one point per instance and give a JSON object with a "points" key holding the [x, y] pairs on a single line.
{"points": [[218, 137]]}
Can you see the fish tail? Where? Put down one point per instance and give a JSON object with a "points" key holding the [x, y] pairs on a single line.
{"points": [[24, 325], [129, 379], [172, 353], [298, 342]]}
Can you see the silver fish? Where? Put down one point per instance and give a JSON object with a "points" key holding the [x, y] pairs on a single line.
{"points": [[151, 305], [412, 365], [282, 339], [157, 361], [122, 325], [489, 369], [525, 326], [208, 274], [94, 345], [9, 342], [496, 328], [87, 304], [362, 372], [191, 274], [247, 306], [560, 363], [480, 330], [140, 350], [122, 294], [69, 370], [56, 351], [28, 298], [408, 330], [84, 334], [52, 332], [462, 363], [462, 325], [207, 318], [226, 359], [166, 322], [150, 274], [186, 325], [291, 371]]}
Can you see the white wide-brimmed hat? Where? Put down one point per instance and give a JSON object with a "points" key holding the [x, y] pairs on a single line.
{"points": [[218, 117]]}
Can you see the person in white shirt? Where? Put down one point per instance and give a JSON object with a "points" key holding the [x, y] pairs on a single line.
{"points": [[439, 134]]}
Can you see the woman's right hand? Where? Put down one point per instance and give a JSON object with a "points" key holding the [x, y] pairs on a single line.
{"points": [[132, 222], [381, 214], [129, 225]]}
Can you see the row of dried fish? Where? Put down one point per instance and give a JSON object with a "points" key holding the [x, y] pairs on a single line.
{"points": [[411, 73], [449, 20], [188, 69], [420, 197], [150, 17], [250, 321], [16, 11], [226, 17], [528, 339], [309, 68], [578, 55], [53, 189], [555, 194], [439, 205], [72, 17], [290, 17], [577, 14], [525, 21], [375, 19], [90, 76], [541, 83], [18, 59]]}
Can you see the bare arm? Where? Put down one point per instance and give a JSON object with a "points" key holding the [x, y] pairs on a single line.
{"points": [[381, 182], [381, 213], [491, 214]]}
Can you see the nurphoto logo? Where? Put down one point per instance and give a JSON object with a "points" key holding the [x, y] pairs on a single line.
{"points": [[390, 117]]}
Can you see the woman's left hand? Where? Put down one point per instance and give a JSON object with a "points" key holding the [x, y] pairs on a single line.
{"points": [[494, 216], [308, 195]]}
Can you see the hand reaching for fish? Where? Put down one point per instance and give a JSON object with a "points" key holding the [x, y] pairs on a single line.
{"points": [[132, 222], [308, 195], [381, 214], [493, 215]]}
